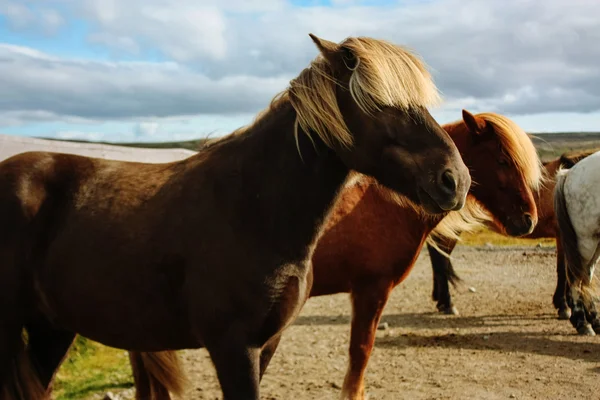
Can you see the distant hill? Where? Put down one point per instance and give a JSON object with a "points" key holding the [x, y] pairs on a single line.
{"points": [[551, 145]]}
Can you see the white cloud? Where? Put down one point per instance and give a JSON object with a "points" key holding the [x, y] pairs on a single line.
{"points": [[51, 20], [231, 57], [20, 17], [146, 129], [75, 135], [35, 84]]}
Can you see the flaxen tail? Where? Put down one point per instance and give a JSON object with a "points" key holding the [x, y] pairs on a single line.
{"points": [[20, 379], [567, 235], [157, 375]]}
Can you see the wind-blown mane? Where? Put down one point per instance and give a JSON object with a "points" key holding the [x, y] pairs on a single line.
{"points": [[467, 219], [385, 75], [518, 147]]}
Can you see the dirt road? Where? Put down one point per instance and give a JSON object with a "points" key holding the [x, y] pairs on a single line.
{"points": [[506, 343]]}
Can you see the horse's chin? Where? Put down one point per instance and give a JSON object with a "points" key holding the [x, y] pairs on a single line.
{"points": [[517, 231], [432, 206], [428, 203]]}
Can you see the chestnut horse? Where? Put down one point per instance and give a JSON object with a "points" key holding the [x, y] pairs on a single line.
{"points": [[577, 207], [372, 240], [215, 250], [443, 270]]}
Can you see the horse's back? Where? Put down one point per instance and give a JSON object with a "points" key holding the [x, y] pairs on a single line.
{"points": [[582, 188], [79, 225], [582, 198]]}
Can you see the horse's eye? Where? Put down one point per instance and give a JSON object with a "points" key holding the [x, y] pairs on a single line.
{"points": [[503, 162]]}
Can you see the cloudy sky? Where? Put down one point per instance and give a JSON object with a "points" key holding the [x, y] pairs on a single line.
{"points": [[151, 70]]}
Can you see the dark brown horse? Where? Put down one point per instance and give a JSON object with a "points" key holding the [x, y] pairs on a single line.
{"points": [[371, 242], [443, 270], [215, 250]]}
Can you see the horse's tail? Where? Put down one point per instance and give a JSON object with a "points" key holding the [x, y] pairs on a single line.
{"points": [[566, 233], [20, 378], [157, 374]]}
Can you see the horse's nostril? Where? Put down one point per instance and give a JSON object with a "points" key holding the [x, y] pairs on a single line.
{"points": [[448, 181], [528, 220]]}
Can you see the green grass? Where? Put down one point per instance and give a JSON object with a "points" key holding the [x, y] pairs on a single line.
{"points": [[484, 236], [92, 368]]}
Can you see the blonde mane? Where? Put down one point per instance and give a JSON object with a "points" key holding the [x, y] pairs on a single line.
{"points": [[385, 75], [471, 217], [518, 147]]}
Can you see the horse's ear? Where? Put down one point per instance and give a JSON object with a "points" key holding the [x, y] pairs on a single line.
{"points": [[475, 124], [326, 47], [335, 54]]}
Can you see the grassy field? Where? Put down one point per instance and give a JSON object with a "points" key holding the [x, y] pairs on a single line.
{"points": [[92, 368], [551, 145]]}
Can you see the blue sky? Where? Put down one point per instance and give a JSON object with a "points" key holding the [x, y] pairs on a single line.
{"points": [[151, 70]]}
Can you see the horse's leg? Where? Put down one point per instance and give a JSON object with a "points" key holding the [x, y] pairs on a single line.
{"points": [[434, 257], [141, 380], [368, 302], [591, 315], [267, 353], [48, 347], [16, 371], [443, 273], [582, 312], [559, 300], [238, 368], [578, 312], [590, 306]]}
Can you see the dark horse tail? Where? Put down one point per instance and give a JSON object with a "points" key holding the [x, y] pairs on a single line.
{"points": [[157, 375], [19, 372], [566, 233], [20, 379]]}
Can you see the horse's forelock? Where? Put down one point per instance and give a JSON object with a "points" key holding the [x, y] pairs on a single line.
{"points": [[519, 147]]}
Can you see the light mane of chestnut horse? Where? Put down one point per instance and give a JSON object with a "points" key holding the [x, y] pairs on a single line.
{"points": [[373, 237], [214, 250]]}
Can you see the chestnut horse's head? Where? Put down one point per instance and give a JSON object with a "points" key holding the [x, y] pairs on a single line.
{"points": [[505, 167], [366, 99]]}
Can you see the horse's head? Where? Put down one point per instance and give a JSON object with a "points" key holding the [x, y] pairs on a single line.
{"points": [[366, 99], [505, 168]]}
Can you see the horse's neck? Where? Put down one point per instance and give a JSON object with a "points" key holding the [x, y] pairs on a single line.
{"points": [[282, 198], [399, 219]]}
